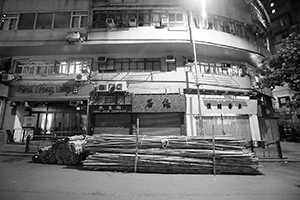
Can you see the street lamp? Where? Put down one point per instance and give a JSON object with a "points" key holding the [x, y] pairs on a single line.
{"points": [[203, 13]]}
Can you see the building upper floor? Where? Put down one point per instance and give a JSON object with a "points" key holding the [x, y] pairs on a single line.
{"points": [[232, 23]]}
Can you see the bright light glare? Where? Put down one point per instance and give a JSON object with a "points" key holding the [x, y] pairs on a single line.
{"points": [[203, 8]]}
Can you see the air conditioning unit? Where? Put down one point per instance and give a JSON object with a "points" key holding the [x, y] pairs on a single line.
{"points": [[102, 59], [164, 21], [170, 58], [121, 86], [73, 36], [80, 77], [110, 22], [103, 87], [76, 103], [24, 104], [73, 103], [7, 77], [189, 61], [132, 22]]}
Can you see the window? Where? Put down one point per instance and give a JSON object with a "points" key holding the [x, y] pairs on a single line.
{"points": [[99, 19], [45, 68], [26, 21], [44, 21], [204, 68], [79, 19], [9, 22], [156, 17], [240, 29], [144, 18], [62, 19], [128, 14], [122, 1], [38, 67], [149, 64], [73, 67], [52, 67], [59, 117], [116, 15], [225, 26], [122, 65], [283, 101], [219, 68], [210, 23], [175, 17]]}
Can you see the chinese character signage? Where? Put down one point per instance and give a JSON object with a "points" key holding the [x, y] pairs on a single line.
{"points": [[111, 108], [158, 103]]}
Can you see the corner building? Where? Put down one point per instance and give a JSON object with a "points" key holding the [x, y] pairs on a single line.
{"points": [[175, 67]]}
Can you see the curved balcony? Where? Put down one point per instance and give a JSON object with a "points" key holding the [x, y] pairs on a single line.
{"points": [[142, 41]]}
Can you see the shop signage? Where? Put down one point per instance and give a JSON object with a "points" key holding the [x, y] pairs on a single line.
{"points": [[111, 108], [49, 89], [158, 103], [29, 121]]}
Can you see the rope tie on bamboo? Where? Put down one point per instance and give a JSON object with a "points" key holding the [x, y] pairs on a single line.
{"points": [[186, 142], [142, 141], [164, 143]]}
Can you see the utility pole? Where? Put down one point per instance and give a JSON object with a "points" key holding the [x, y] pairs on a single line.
{"points": [[199, 118]]}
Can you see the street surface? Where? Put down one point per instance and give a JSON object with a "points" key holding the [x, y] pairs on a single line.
{"points": [[22, 179]]}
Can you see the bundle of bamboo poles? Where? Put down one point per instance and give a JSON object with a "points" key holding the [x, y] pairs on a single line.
{"points": [[67, 151], [170, 154]]}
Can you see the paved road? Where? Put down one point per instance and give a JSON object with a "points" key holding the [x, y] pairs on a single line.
{"points": [[22, 179]]}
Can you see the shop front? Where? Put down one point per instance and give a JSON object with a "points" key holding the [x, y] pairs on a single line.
{"points": [[155, 114], [160, 114], [56, 110], [225, 115]]}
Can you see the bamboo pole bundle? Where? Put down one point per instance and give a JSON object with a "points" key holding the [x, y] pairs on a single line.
{"points": [[68, 151], [172, 154], [176, 142]]}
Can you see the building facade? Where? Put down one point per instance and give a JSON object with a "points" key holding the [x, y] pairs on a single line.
{"points": [[284, 14], [107, 66]]}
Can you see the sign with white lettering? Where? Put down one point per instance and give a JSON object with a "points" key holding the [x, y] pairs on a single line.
{"points": [[29, 121], [111, 108]]}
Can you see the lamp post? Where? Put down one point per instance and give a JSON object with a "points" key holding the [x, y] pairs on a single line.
{"points": [[199, 118]]}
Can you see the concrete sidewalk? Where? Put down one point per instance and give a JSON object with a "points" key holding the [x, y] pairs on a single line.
{"points": [[290, 150]]}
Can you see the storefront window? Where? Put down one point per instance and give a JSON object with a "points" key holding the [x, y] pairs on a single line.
{"points": [[66, 122], [45, 123], [60, 119]]}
